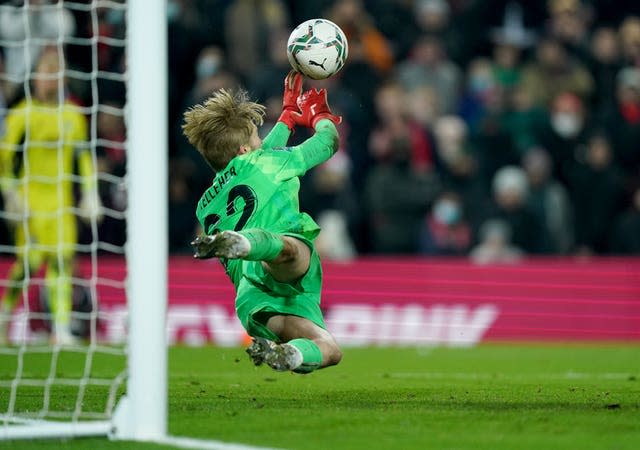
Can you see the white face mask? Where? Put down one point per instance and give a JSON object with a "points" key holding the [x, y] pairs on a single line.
{"points": [[566, 124], [173, 10], [207, 67], [447, 212]]}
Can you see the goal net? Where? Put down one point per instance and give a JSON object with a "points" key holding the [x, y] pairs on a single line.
{"points": [[82, 120]]}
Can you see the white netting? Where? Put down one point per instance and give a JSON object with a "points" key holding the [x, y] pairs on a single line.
{"points": [[53, 368]]}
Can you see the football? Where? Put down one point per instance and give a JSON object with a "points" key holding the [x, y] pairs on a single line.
{"points": [[317, 48]]}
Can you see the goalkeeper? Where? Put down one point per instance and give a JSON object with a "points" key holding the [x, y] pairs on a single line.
{"points": [[40, 145], [252, 222]]}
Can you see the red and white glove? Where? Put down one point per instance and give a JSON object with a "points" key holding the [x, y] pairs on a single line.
{"points": [[292, 90], [314, 107]]}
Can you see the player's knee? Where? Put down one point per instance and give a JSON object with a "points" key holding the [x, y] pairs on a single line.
{"points": [[334, 355], [290, 252]]}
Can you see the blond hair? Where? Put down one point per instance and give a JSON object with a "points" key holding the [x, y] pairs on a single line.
{"points": [[222, 124]]}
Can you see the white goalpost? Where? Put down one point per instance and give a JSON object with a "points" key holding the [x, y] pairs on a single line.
{"points": [[134, 406], [142, 413]]}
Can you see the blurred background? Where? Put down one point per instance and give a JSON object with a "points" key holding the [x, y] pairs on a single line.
{"points": [[490, 129]]}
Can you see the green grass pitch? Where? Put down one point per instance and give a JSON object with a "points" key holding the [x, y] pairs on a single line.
{"points": [[495, 396]]}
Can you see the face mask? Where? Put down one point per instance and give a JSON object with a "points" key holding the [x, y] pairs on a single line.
{"points": [[566, 124], [207, 67], [447, 212], [480, 84], [173, 10], [115, 16]]}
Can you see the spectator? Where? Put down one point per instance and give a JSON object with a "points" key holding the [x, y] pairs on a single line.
{"points": [[328, 188], [604, 63], [189, 33], [46, 25], [397, 199], [445, 230], [555, 71], [523, 119], [211, 73], [111, 159], [596, 190], [370, 53], [569, 23], [510, 192], [182, 203], [266, 82], [423, 107], [247, 23], [334, 242], [366, 42], [434, 18], [458, 168], [623, 125], [549, 200], [509, 42], [495, 245], [625, 236], [481, 93], [429, 65], [564, 133], [630, 40], [394, 126]]}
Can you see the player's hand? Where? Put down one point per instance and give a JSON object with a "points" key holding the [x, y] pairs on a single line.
{"points": [[314, 107], [203, 247], [292, 90], [91, 207], [14, 205]]}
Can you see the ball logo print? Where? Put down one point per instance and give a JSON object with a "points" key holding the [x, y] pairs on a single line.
{"points": [[317, 48]]}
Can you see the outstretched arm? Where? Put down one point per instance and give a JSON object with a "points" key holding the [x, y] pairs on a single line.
{"points": [[315, 150], [280, 133], [314, 113], [277, 137]]}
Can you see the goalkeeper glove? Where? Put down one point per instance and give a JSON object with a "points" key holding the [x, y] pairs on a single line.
{"points": [[292, 89], [314, 107], [91, 206]]}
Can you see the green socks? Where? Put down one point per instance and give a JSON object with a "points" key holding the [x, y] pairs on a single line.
{"points": [[311, 355], [265, 246]]}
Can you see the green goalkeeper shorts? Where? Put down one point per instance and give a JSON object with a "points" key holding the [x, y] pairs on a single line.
{"points": [[259, 296]]}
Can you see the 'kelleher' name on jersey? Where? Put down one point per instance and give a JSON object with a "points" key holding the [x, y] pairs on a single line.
{"points": [[222, 179]]}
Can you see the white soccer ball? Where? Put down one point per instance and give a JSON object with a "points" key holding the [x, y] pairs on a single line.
{"points": [[317, 48]]}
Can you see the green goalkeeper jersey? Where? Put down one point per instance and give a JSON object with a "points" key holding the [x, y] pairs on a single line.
{"points": [[259, 189]]}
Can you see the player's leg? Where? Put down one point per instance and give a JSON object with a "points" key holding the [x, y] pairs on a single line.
{"points": [[60, 264], [285, 258], [16, 276], [305, 346], [60, 294], [317, 346], [10, 298]]}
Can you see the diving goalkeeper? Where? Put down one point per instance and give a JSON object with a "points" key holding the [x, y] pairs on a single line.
{"points": [[252, 222], [44, 138]]}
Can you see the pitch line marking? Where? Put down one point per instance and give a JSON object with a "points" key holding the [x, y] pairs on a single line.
{"points": [[204, 444], [540, 376]]}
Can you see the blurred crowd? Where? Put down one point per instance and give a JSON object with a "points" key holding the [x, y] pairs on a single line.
{"points": [[488, 128]]}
